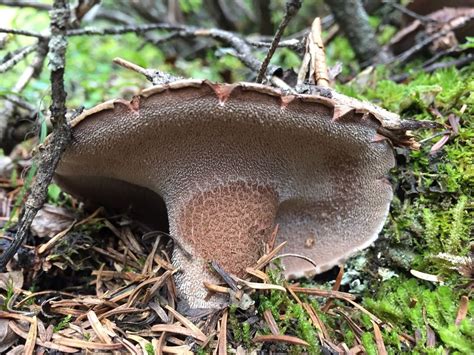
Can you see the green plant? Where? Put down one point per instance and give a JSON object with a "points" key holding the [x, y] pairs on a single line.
{"points": [[63, 323]]}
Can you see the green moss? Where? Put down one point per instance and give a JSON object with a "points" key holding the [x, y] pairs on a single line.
{"points": [[369, 343], [411, 306]]}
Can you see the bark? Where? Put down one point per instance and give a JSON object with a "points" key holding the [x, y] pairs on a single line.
{"points": [[353, 20]]}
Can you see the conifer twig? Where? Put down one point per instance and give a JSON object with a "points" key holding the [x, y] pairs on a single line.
{"points": [[292, 7]]}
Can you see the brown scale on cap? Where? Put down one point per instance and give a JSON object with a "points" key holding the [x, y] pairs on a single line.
{"points": [[226, 163]]}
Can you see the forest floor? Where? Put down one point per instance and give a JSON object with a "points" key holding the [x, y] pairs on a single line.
{"points": [[85, 279]]}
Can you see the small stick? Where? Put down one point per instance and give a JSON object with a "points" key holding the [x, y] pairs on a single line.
{"points": [[17, 58], [408, 12], [132, 66], [22, 33], [292, 7], [156, 77]]}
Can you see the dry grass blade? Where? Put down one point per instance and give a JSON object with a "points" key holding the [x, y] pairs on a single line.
{"points": [[156, 281], [294, 295], [293, 255], [258, 274], [222, 342], [358, 306], [261, 286], [98, 327], [462, 311], [158, 344], [317, 323], [177, 329], [267, 258], [31, 338], [288, 339], [57, 237], [271, 322], [379, 340], [186, 322], [47, 344], [85, 345], [120, 310], [336, 286], [323, 293], [50, 243], [148, 266], [16, 316]]}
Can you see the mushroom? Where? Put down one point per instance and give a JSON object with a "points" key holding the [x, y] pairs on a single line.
{"points": [[226, 163]]}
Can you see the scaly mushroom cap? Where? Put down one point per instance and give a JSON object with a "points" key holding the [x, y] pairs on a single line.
{"points": [[229, 162]]}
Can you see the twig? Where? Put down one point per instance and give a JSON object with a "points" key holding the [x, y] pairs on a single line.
{"points": [[154, 76], [22, 33], [243, 50], [49, 156], [118, 30], [18, 101], [292, 7], [458, 63], [10, 63], [408, 12], [33, 4], [458, 23], [294, 44]]}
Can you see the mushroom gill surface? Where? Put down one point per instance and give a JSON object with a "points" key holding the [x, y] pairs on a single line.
{"points": [[226, 163]]}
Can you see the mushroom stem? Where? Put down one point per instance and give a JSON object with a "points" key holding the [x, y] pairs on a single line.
{"points": [[228, 223]]}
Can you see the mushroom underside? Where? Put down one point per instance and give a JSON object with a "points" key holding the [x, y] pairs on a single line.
{"points": [[229, 170]]}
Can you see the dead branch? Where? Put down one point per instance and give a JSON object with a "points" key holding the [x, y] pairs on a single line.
{"points": [[22, 33], [408, 12], [49, 156], [156, 77], [15, 59], [21, 3], [292, 7], [454, 25]]}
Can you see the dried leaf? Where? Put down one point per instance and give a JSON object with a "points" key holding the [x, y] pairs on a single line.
{"points": [[50, 220], [11, 279], [7, 336]]}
